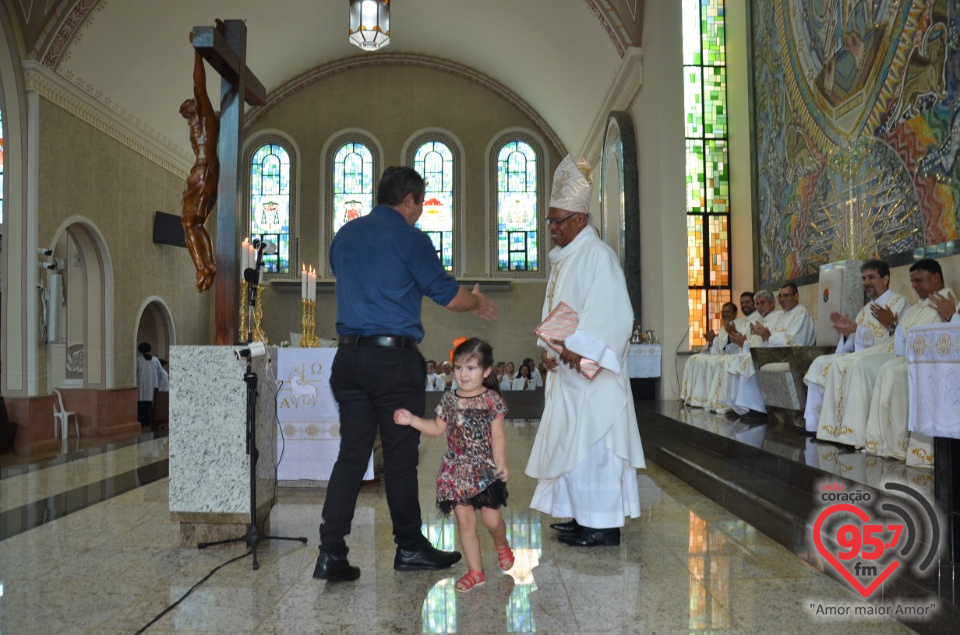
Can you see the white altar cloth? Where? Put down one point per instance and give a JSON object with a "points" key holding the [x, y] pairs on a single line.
{"points": [[933, 368], [308, 438], [643, 360]]}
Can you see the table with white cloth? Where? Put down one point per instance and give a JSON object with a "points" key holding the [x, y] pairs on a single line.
{"points": [[308, 416], [643, 369], [933, 370]]}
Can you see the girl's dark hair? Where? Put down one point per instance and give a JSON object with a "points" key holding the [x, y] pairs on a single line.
{"points": [[475, 348], [520, 370]]}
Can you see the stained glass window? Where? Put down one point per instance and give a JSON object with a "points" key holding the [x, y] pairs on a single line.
{"points": [[517, 213], [270, 204], [707, 175], [352, 183], [434, 161]]}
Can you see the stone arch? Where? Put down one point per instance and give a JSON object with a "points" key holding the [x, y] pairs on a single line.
{"points": [[155, 326], [87, 319]]}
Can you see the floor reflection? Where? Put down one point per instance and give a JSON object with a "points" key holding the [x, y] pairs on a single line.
{"points": [[686, 565]]}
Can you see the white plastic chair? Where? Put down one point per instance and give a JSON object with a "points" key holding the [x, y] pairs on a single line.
{"points": [[61, 416]]}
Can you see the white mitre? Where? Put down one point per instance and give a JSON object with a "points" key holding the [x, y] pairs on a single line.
{"points": [[572, 186]]}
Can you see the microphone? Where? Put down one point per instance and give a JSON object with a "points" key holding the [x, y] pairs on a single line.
{"points": [[265, 246]]}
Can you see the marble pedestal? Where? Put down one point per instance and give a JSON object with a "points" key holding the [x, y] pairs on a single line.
{"points": [[209, 462]]}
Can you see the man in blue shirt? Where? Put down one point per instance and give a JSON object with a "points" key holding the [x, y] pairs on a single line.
{"points": [[384, 267]]}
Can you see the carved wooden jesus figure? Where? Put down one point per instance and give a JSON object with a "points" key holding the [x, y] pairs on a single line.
{"points": [[200, 196]]}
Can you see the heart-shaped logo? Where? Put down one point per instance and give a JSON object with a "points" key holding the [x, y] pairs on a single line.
{"points": [[852, 537]]}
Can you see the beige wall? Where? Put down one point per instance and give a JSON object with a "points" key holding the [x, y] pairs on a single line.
{"points": [[83, 172], [660, 150], [391, 104]]}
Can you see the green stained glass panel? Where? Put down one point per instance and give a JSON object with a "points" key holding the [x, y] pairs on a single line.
{"points": [[714, 37], [717, 194], [715, 101], [691, 32], [693, 102], [696, 179]]}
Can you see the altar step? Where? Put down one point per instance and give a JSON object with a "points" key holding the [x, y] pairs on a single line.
{"points": [[769, 489]]}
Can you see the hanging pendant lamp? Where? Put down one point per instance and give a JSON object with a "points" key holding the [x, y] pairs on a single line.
{"points": [[370, 23]]}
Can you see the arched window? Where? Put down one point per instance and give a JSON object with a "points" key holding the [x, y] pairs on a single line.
{"points": [[353, 169], [518, 186], [437, 164], [271, 201]]}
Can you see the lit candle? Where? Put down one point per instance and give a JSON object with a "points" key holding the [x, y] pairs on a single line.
{"points": [[303, 281], [313, 284], [244, 255]]}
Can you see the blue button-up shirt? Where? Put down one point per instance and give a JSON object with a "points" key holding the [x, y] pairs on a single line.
{"points": [[384, 268]]}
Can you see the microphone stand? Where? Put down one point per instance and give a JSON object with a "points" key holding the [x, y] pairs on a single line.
{"points": [[252, 538]]}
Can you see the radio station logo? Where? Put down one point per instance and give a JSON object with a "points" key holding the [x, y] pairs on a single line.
{"points": [[868, 539]]}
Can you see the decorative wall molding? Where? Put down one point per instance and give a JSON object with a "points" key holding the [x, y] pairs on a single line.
{"points": [[624, 90], [74, 100], [287, 89]]}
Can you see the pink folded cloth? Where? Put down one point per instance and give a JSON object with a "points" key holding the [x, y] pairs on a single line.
{"points": [[559, 325]]}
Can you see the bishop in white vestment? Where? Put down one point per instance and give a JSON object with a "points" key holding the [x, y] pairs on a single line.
{"points": [[855, 335], [587, 448]]}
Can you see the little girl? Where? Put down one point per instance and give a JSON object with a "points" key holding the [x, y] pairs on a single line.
{"points": [[473, 472]]}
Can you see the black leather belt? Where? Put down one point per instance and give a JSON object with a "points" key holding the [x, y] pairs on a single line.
{"points": [[387, 341]]}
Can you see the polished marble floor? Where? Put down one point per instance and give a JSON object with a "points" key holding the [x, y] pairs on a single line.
{"points": [[780, 435], [111, 567]]}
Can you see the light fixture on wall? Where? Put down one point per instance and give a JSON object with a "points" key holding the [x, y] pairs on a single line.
{"points": [[370, 23]]}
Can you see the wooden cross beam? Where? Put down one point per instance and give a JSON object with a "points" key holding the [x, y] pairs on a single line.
{"points": [[224, 48]]}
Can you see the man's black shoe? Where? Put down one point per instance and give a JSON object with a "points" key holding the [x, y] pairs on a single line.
{"points": [[426, 559], [335, 568], [588, 537], [568, 527]]}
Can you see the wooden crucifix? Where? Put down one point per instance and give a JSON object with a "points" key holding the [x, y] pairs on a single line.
{"points": [[224, 47]]}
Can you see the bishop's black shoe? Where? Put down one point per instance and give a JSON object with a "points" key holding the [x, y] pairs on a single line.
{"points": [[335, 568], [426, 559], [589, 537], [568, 527]]}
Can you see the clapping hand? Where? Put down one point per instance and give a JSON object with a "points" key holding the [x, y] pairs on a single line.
{"points": [[883, 315], [844, 325], [946, 306]]}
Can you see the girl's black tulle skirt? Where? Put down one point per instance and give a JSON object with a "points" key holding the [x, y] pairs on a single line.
{"points": [[494, 497]]}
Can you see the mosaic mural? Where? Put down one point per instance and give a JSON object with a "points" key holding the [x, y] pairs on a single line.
{"points": [[857, 131]]}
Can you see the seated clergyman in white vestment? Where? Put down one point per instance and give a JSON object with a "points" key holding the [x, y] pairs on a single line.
{"points": [[887, 433], [794, 327], [848, 390], [855, 335], [717, 377], [723, 391], [701, 367]]}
